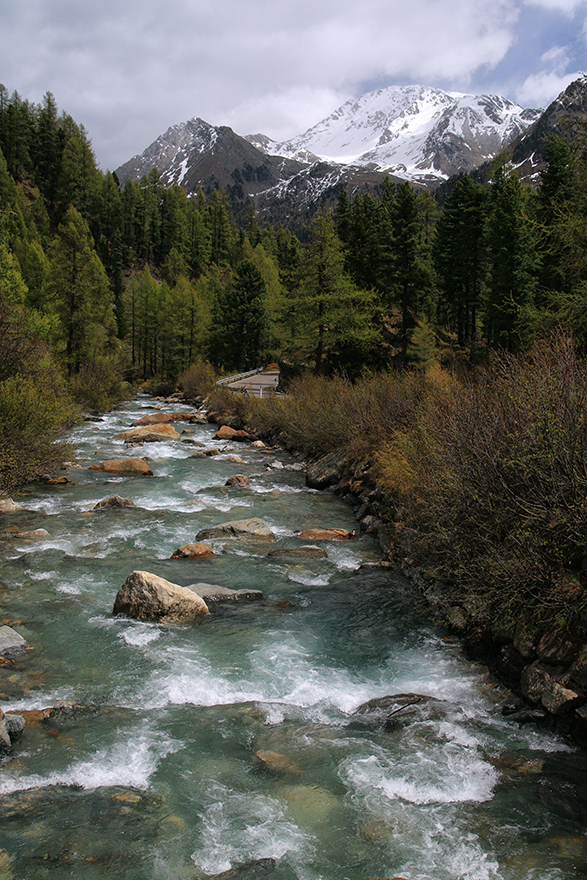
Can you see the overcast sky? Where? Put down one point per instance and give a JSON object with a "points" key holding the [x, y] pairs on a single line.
{"points": [[128, 69]]}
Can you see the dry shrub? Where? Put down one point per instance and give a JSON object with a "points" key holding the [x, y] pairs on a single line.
{"points": [[492, 475], [198, 380]]}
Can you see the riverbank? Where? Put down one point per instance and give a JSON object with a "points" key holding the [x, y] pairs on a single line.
{"points": [[475, 490]]}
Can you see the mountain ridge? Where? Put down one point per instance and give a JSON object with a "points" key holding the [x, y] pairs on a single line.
{"points": [[414, 133]]}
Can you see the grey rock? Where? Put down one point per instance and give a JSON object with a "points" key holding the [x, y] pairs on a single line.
{"points": [[212, 594], [253, 527], [145, 596], [12, 643], [327, 470]]}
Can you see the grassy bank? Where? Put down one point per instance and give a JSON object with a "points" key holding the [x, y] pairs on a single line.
{"points": [[484, 475]]}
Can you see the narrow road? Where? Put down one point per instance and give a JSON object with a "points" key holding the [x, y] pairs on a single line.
{"points": [[258, 385]]}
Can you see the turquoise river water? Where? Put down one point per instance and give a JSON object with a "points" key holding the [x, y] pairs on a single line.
{"points": [[155, 775]]}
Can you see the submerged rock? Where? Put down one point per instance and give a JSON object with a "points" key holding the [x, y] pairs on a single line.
{"points": [[253, 527], [389, 710], [145, 596], [128, 467], [307, 551], [113, 501], [275, 763], [253, 870]]}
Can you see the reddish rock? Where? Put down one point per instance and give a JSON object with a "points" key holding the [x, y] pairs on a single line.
{"points": [[149, 434], [325, 534], [227, 433], [162, 419], [193, 551], [129, 467]]}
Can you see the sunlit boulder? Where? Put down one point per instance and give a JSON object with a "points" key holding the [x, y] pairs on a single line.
{"points": [[145, 596]]}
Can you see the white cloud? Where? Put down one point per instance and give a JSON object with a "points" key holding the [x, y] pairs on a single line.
{"points": [[567, 6], [540, 89]]}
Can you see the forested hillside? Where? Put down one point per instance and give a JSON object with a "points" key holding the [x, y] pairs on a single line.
{"points": [[103, 285]]}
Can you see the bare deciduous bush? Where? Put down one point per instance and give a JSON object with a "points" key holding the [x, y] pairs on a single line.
{"points": [[198, 380], [492, 475]]}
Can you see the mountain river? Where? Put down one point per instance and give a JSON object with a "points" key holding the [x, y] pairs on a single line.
{"points": [[150, 768]]}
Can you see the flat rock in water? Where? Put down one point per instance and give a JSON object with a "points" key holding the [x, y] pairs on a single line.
{"points": [[212, 594], [307, 551], [149, 434], [253, 528], [113, 501], [145, 596], [193, 551], [34, 533], [325, 534], [128, 467], [12, 643]]}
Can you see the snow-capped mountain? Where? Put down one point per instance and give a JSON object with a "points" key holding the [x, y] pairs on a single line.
{"points": [[414, 132], [198, 155]]}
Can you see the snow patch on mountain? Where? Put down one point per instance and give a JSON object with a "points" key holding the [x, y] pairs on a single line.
{"points": [[415, 132]]}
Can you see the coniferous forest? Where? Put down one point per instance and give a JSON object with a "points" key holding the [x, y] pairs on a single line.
{"points": [[475, 309]]}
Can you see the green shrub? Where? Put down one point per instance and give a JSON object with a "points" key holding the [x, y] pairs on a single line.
{"points": [[34, 410]]}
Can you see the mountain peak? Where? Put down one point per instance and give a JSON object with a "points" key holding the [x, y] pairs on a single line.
{"points": [[415, 131]]}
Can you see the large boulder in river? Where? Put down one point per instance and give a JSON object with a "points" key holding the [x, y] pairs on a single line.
{"points": [[145, 596], [252, 528], [149, 434], [128, 467]]}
